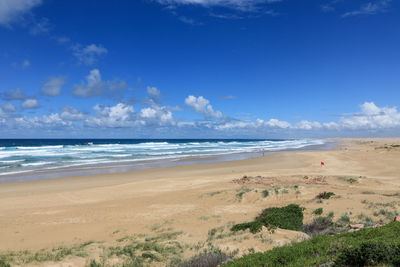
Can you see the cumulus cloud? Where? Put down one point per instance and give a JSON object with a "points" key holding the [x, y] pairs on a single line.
{"points": [[371, 117], [120, 115], [202, 106], [29, 103], [156, 115], [88, 55], [12, 10], [8, 107], [14, 94], [95, 86], [154, 93], [53, 86], [370, 8], [71, 114]]}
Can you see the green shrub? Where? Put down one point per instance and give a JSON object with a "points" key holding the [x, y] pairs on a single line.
{"points": [[289, 217], [324, 249], [253, 226], [369, 254], [265, 193], [325, 195], [93, 263], [318, 211], [4, 264]]}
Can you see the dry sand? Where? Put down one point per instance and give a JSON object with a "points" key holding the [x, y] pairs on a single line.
{"points": [[190, 201]]}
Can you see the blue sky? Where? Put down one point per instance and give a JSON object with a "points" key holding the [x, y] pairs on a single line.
{"points": [[199, 68]]}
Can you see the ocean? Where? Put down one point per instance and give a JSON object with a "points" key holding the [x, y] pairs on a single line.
{"points": [[27, 159]]}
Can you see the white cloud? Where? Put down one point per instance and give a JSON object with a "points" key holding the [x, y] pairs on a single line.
{"points": [[53, 86], [154, 93], [120, 115], [370, 8], [156, 115], [8, 107], [372, 117], [307, 125], [274, 123], [12, 10], [71, 114], [96, 86], [29, 103], [202, 106], [14, 94], [88, 55]]}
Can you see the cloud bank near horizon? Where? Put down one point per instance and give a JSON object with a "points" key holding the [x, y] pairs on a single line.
{"points": [[152, 116]]}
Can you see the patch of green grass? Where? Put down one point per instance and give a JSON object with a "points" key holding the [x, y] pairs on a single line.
{"points": [[318, 211], [342, 249], [289, 217]]}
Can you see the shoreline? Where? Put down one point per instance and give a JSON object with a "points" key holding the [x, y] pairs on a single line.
{"points": [[128, 166], [194, 199]]}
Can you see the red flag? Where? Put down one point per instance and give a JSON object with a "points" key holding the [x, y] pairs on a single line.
{"points": [[322, 163]]}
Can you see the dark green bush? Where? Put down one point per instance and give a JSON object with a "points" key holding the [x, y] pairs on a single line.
{"points": [[253, 226], [341, 248], [93, 263], [4, 264], [325, 195], [289, 217], [318, 211], [369, 254], [265, 193]]}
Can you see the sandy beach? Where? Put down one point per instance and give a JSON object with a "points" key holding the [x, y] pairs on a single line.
{"points": [[195, 205]]}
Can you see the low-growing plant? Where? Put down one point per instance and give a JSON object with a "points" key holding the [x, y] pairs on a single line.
{"points": [[350, 180], [289, 217], [325, 195], [320, 225], [382, 247], [253, 226], [344, 219], [369, 254], [3, 263], [206, 260], [318, 211], [265, 193]]}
